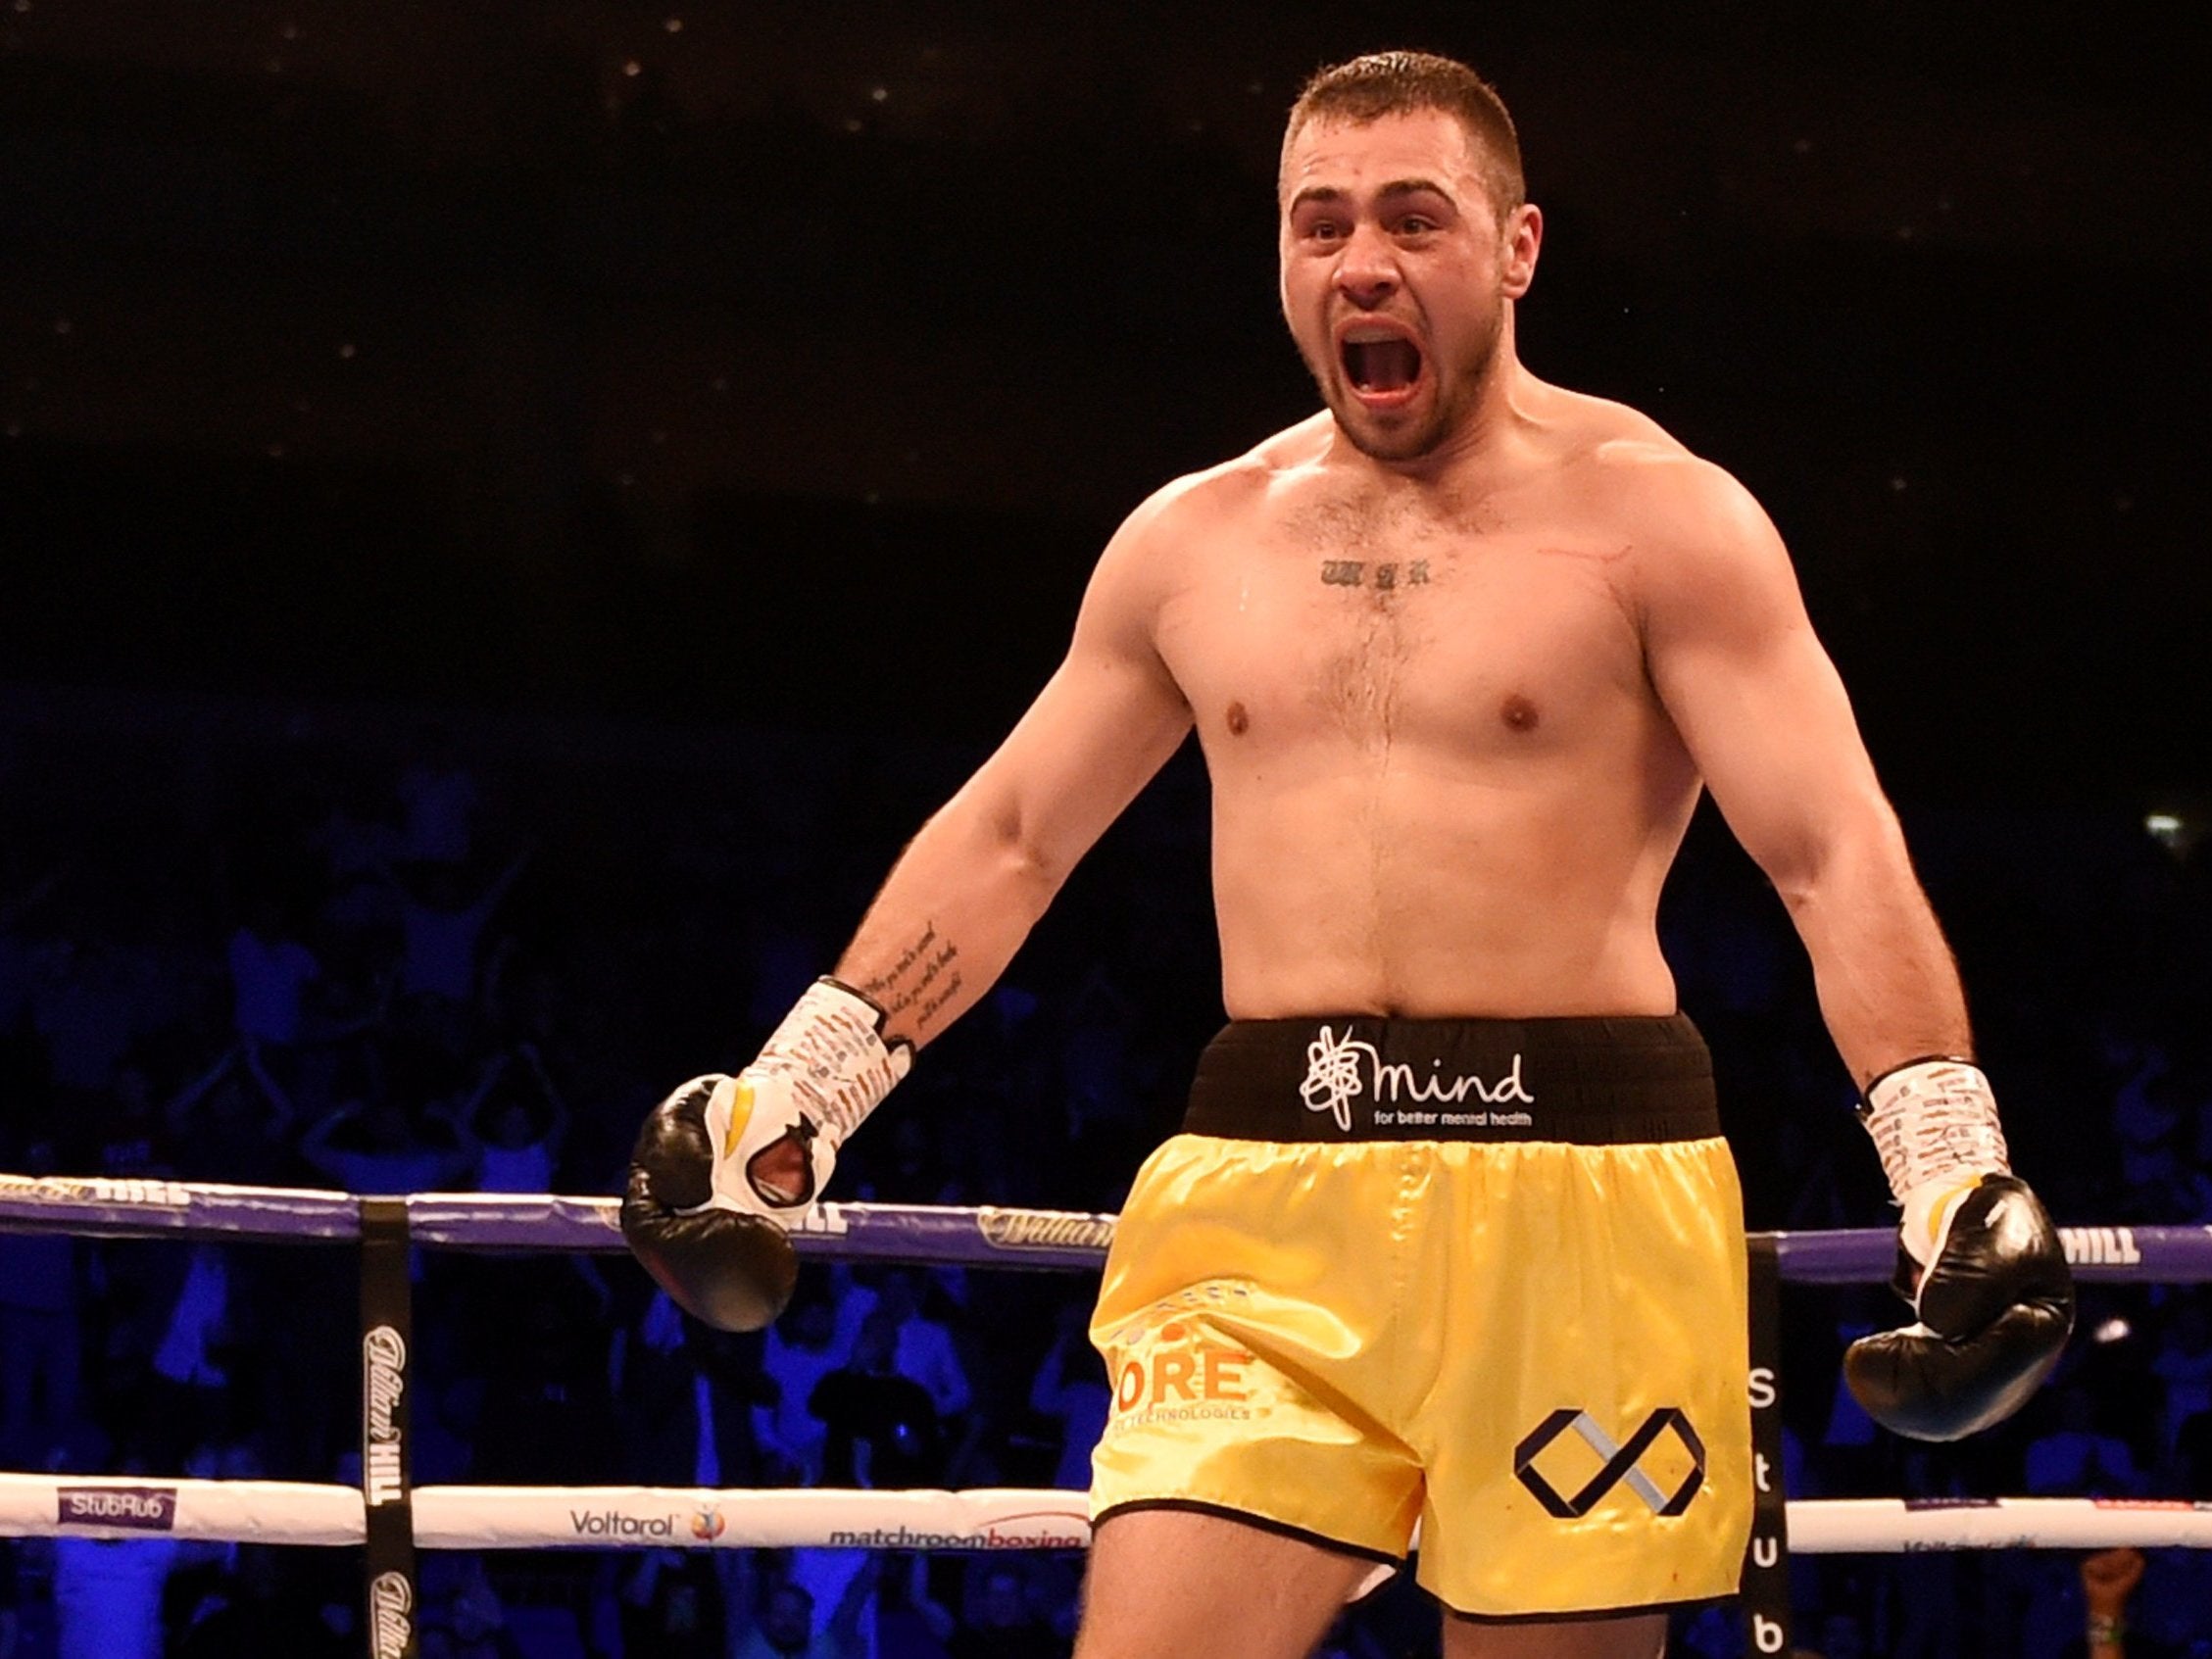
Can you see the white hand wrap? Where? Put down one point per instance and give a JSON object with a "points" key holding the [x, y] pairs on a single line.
{"points": [[1934, 1128], [820, 1074], [830, 1049]]}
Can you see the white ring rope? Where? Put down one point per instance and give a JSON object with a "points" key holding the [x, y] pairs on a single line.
{"points": [[991, 1518]]}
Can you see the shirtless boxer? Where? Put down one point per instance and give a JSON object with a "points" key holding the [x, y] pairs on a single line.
{"points": [[1449, 1234]]}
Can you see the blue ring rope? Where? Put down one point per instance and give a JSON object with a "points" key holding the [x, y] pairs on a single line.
{"points": [[992, 1235]]}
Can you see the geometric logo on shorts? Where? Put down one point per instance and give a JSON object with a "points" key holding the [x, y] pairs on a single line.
{"points": [[1619, 1462]]}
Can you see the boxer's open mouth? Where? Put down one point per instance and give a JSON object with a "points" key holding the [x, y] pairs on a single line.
{"points": [[1379, 361]]}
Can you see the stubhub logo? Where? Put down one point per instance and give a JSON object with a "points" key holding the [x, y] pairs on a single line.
{"points": [[141, 1509]]}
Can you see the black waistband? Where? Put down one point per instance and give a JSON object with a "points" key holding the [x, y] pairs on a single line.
{"points": [[1596, 1082]]}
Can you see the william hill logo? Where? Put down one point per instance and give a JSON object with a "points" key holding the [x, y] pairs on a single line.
{"points": [[1043, 1230], [2100, 1246], [391, 1615], [95, 1190], [383, 1383]]}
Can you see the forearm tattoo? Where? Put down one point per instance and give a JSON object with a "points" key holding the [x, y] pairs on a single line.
{"points": [[922, 982]]}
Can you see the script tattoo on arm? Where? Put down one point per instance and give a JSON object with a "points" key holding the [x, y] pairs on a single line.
{"points": [[924, 978]]}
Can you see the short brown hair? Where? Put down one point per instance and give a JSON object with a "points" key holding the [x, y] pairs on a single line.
{"points": [[1393, 84]]}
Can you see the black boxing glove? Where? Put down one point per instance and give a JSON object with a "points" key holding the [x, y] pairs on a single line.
{"points": [[1977, 1259], [726, 1168]]}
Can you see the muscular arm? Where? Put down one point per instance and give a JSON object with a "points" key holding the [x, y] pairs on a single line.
{"points": [[1764, 716], [726, 1167], [972, 883]]}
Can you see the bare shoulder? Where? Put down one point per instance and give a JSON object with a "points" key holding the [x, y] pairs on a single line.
{"points": [[1295, 447], [1687, 518], [1161, 545], [1187, 509], [1237, 484], [1703, 551]]}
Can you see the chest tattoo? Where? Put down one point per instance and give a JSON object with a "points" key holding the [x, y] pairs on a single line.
{"points": [[1363, 573]]}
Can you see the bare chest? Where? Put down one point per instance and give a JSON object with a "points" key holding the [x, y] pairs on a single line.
{"points": [[1333, 623]]}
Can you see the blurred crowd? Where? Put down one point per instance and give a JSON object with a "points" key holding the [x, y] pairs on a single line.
{"points": [[298, 952]]}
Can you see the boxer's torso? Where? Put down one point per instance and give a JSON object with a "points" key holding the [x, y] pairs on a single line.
{"points": [[1443, 782]]}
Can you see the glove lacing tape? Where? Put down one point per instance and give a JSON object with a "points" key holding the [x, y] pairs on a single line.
{"points": [[830, 1050], [1932, 1120]]}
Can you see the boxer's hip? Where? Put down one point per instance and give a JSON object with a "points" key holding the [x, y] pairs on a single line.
{"points": [[1400, 1269]]}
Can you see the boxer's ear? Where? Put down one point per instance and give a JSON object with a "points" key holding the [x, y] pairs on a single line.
{"points": [[1523, 236]]}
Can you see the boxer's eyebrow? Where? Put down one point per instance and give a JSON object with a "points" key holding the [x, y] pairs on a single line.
{"points": [[1395, 190], [1399, 187]]}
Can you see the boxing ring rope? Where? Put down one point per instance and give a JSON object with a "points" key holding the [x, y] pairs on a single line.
{"points": [[990, 1236], [394, 1518], [983, 1519]]}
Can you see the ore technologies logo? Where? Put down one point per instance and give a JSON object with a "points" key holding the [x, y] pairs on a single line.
{"points": [[1619, 1462], [391, 1615], [1341, 1070], [1185, 1376], [384, 1382], [137, 1509]]}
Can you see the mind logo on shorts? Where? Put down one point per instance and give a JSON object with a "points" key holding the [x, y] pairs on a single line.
{"points": [[1342, 1070]]}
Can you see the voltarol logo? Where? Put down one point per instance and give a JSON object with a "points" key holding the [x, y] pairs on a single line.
{"points": [[384, 1382], [140, 1509], [613, 1524], [707, 1525], [1342, 1070], [391, 1615]]}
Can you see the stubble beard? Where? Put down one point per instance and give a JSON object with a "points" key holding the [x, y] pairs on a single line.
{"points": [[1424, 438]]}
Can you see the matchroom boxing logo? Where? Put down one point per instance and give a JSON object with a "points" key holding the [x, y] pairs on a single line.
{"points": [[1043, 1529]]}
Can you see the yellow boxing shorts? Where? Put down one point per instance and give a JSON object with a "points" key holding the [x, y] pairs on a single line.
{"points": [[1486, 1275]]}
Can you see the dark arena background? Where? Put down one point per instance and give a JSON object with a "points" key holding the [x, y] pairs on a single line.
{"points": [[512, 511]]}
